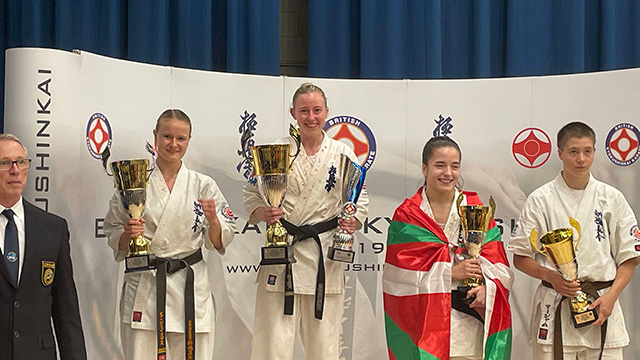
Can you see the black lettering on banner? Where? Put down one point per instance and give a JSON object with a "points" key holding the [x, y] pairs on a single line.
{"points": [[377, 247], [499, 223], [43, 107], [42, 183], [42, 166], [45, 203], [371, 267], [363, 267], [41, 132], [233, 269], [99, 227], [248, 227], [368, 224], [43, 112]]}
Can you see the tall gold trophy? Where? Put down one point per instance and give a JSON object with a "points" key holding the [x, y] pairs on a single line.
{"points": [[352, 184], [559, 247], [130, 178], [271, 164], [475, 221]]}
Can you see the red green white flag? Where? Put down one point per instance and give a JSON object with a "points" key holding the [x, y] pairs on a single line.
{"points": [[417, 287]]}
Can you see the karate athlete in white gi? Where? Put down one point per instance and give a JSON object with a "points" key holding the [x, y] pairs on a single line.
{"points": [[441, 160], [312, 197], [606, 253], [183, 211]]}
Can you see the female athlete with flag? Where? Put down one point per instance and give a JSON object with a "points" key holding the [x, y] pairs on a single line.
{"points": [[422, 267]]}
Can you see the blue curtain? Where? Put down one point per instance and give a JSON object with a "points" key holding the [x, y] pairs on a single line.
{"points": [[222, 35], [433, 39]]}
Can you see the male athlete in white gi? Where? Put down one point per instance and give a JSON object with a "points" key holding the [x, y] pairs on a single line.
{"points": [[312, 197], [606, 253], [184, 210]]}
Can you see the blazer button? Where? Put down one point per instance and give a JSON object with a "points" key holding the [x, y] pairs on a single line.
{"points": [[16, 334], [16, 304]]}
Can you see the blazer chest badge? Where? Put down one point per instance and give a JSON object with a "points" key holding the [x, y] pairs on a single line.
{"points": [[48, 272]]}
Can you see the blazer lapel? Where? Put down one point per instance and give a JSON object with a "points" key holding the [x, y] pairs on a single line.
{"points": [[31, 230], [4, 271]]}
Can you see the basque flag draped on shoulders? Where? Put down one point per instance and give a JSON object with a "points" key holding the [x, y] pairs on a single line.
{"points": [[417, 287]]}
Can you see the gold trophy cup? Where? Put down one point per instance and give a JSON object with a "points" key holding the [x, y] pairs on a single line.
{"points": [[130, 178], [271, 164], [475, 221], [559, 247]]}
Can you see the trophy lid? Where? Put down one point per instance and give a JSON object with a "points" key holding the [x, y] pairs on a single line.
{"points": [[557, 236], [130, 174], [271, 159], [352, 179]]}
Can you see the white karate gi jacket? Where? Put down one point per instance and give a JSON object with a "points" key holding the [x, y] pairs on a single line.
{"points": [[307, 201], [176, 229], [609, 235]]}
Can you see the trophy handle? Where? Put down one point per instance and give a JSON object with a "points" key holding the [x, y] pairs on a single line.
{"points": [[458, 202], [574, 223], [533, 238], [105, 158], [492, 211], [244, 140], [294, 132], [151, 151]]}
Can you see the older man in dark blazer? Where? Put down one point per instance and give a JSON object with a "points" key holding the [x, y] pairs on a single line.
{"points": [[36, 278]]}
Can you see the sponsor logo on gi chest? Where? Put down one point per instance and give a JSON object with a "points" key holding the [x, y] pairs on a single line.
{"points": [[356, 133], [622, 144], [98, 135], [531, 147]]}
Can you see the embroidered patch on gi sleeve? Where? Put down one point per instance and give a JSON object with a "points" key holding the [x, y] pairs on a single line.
{"points": [[635, 232], [227, 214]]}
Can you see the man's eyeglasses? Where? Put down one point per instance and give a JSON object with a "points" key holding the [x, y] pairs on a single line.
{"points": [[22, 164]]}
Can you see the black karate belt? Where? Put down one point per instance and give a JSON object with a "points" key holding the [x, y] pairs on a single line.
{"points": [[457, 302], [589, 288], [302, 233], [167, 266]]}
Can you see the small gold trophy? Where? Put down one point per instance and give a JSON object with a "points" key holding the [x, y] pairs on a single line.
{"points": [[271, 164], [475, 221], [559, 247], [130, 178]]}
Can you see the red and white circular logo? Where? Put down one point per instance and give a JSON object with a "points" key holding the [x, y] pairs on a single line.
{"points": [[355, 133], [98, 135], [531, 147], [622, 144], [227, 213]]}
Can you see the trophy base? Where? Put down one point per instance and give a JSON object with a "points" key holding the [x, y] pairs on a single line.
{"points": [[135, 263], [277, 255], [341, 255], [584, 318], [463, 290]]}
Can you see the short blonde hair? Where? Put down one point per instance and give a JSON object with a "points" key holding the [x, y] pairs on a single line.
{"points": [[11, 137], [307, 88], [171, 114]]}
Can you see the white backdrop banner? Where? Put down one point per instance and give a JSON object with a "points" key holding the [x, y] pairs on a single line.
{"points": [[68, 107]]}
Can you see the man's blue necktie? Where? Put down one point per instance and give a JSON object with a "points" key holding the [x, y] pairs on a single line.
{"points": [[11, 250]]}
